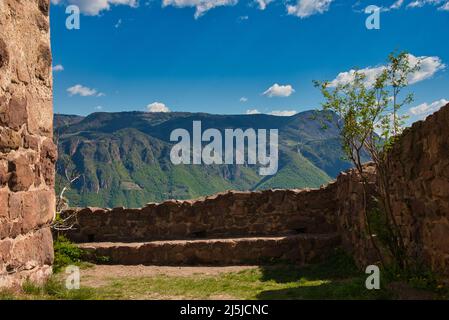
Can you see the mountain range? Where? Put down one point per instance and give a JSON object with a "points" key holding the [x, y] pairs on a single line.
{"points": [[123, 158]]}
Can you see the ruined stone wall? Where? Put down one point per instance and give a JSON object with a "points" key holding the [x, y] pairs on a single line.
{"points": [[419, 184], [231, 214], [419, 191], [27, 152], [349, 218]]}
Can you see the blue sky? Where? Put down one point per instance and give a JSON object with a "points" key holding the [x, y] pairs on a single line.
{"points": [[225, 56]]}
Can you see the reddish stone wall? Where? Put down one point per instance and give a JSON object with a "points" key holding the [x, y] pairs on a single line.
{"points": [[419, 189], [349, 218], [27, 152], [419, 184], [231, 214]]}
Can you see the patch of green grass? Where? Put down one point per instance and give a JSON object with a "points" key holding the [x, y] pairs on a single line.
{"points": [[6, 295], [54, 289], [273, 282], [336, 278]]}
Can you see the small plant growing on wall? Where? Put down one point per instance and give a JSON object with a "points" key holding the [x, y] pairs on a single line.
{"points": [[369, 118]]}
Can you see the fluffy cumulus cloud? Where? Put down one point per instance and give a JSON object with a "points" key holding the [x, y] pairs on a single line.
{"points": [[58, 67], [423, 110], [94, 7], [263, 3], [277, 90], [83, 91], [279, 113], [157, 107], [307, 8], [428, 67], [201, 6]]}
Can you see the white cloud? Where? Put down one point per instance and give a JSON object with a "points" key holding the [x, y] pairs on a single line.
{"points": [[426, 109], [253, 111], [283, 113], [201, 6], [277, 90], [397, 4], [307, 8], [422, 3], [444, 7], [98, 108], [429, 66], [279, 113], [243, 99], [346, 77], [58, 67], [157, 107], [263, 3], [94, 7], [83, 91], [415, 4]]}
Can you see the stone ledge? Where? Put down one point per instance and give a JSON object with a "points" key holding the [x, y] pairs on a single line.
{"points": [[298, 249]]}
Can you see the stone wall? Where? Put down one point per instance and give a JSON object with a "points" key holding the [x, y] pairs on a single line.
{"points": [[419, 185], [230, 214], [299, 249], [349, 219], [419, 190], [27, 152]]}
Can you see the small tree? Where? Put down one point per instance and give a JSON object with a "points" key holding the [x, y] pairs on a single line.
{"points": [[63, 222], [369, 121]]}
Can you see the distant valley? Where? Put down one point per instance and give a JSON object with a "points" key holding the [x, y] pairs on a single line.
{"points": [[123, 159]]}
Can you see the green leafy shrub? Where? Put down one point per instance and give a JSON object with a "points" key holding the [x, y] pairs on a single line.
{"points": [[66, 253]]}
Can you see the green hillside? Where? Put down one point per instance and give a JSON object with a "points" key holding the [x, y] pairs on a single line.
{"points": [[124, 158]]}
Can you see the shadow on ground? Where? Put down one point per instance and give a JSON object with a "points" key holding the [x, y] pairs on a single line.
{"points": [[336, 278]]}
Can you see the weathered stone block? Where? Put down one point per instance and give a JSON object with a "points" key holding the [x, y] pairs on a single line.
{"points": [[44, 6], [4, 175], [4, 54], [4, 194], [17, 112], [9, 140], [22, 176], [31, 142]]}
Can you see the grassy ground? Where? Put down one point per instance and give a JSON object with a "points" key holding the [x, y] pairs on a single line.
{"points": [[337, 278], [274, 282]]}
